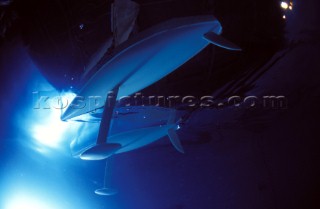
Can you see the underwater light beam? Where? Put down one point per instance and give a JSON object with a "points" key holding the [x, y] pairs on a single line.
{"points": [[25, 202], [49, 129]]}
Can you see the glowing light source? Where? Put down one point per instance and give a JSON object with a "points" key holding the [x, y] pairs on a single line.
{"points": [[24, 202], [284, 17], [49, 130], [284, 5]]}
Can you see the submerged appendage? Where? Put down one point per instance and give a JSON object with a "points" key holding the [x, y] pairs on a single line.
{"points": [[219, 41], [100, 151], [106, 190]]}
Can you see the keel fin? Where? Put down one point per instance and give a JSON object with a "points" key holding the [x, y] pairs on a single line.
{"points": [[174, 138], [100, 151], [220, 41], [106, 118], [106, 192]]}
